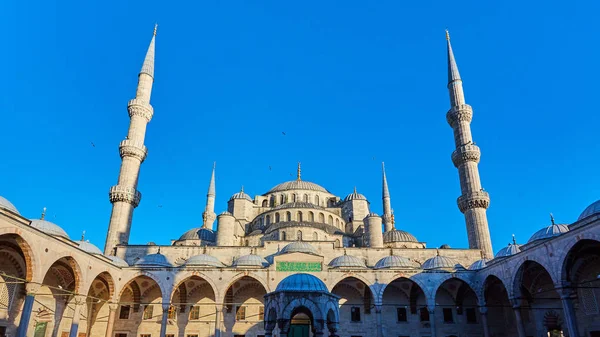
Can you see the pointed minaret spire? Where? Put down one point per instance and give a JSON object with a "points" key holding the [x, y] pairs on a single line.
{"points": [[474, 200], [124, 196], [209, 215], [387, 218]]}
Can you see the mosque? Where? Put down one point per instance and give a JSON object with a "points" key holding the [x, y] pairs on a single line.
{"points": [[298, 261]]}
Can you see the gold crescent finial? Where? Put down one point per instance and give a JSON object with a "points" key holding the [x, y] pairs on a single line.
{"points": [[43, 213], [447, 35], [299, 172], [552, 218]]}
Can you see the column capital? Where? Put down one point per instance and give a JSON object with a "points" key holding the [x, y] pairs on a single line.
{"points": [[113, 306], [79, 299], [166, 307], [378, 308], [32, 288]]}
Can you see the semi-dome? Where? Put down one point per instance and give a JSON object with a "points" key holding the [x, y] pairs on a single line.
{"points": [[302, 283], [512, 249], [549, 232], [4, 203], [441, 262], [347, 261], [299, 247], [203, 260], [396, 235], [592, 209], [479, 264], [250, 260], [88, 247], [354, 196], [199, 233], [117, 261], [153, 260], [393, 262], [297, 185], [49, 228]]}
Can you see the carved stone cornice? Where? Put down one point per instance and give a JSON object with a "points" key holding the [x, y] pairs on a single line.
{"points": [[479, 199], [125, 194], [459, 113], [130, 148], [140, 108], [466, 153]]}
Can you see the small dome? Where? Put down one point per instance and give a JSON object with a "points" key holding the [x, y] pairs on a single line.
{"points": [[509, 250], [226, 213], [445, 246], [549, 232], [441, 262], [199, 233], [592, 209], [479, 264], [117, 261], [393, 262], [4, 203], [153, 260], [299, 247], [355, 196], [49, 228], [302, 283], [255, 232], [250, 261], [347, 261], [203, 260], [88, 247], [241, 195], [396, 235], [297, 185]]}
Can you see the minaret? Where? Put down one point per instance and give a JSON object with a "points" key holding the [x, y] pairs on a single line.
{"points": [[387, 203], [474, 201], [209, 216], [124, 196]]}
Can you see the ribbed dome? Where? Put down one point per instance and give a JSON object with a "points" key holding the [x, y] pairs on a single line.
{"points": [[347, 261], [393, 262], [88, 247], [199, 233], [241, 195], [153, 260], [226, 213], [592, 209], [355, 196], [4, 203], [302, 283], [117, 261], [250, 261], [479, 264], [297, 185], [396, 235], [509, 250], [445, 246], [49, 228], [441, 262], [299, 247], [549, 232], [203, 260]]}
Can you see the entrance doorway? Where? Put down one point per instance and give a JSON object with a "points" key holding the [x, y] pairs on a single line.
{"points": [[301, 322]]}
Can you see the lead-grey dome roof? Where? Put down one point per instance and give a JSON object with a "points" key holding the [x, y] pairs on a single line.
{"points": [[441, 262], [355, 196], [302, 283], [199, 233], [479, 264], [299, 247], [393, 261], [549, 232], [153, 260], [203, 260], [4, 203], [241, 195], [347, 261], [592, 209], [118, 261], [297, 185], [396, 235], [250, 260], [88, 247], [49, 228], [509, 250]]}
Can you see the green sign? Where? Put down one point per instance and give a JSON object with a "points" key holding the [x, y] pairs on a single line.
{"points": [[298, 266]]}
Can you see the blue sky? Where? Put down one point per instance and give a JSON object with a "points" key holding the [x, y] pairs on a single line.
{"points": [[351, 83]]}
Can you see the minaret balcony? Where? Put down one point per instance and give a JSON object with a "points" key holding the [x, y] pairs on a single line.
{"points": [[478, 199], [137, 107], [465, 154], [459, 113], [125, 194], [131, 148]]}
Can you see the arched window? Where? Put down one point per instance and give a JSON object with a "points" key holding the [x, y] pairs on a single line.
{"points": [[336, 244], [288, 216], [306, 198], [321, 218], [268, 220], [316, 200], [283, 236], [337, 222], [276, 217], [330, 220], [299, 216], [294, 197], [282, 197], [330, 202], [311, 216], [299, 236], [272, 202], [265, 203], [315, 236], [247, 243]]}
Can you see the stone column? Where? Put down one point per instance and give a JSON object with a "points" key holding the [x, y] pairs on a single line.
{"points": [[431, 310], [77, 302], [163, 322], [112, 311], [519, 320], [484, 321], [379, 321], [31, 290], [218, 313], [567, 302]]}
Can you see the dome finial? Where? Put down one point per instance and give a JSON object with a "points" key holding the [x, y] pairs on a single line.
{"points": [[43, 213], [299, 172], [391, 251], [158, 250], [393, 219], [155, 28], [552, 218], [437, 252], [514, 240], [344, 251], [204, 250], [355, 190], [447, 35], [82, 235], [242, 190]]}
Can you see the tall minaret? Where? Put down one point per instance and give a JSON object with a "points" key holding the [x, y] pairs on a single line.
{"points": [[474, 201], [387, 203], [124, 196], [209, 216]]}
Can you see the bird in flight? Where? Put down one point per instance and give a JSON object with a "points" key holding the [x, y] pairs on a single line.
{"points": [[283, 133], [93, 145], [159, 206], [269, 168]]}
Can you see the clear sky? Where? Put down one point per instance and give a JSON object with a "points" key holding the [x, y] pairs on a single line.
{"points": [[351, 83]]}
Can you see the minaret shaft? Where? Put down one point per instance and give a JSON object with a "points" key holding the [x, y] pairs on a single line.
{"points": [[387, 218]]}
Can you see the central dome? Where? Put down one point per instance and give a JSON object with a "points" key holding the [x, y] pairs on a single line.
{"points": [[297, 185]]}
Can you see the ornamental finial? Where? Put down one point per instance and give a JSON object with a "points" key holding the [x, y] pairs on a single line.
{"points": [[514, 240], [299, 172], [354, 189], [391, 251], [393, 218], [82, 235], [552, 218], [158, 250], [43, 213], [447, 35], [437, 252], [242, 190], [155, 28]]}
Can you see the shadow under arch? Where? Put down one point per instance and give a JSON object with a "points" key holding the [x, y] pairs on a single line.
{"points": [[501, 320], [243, 305], [11, 238], [578, 264], [456, 303], [407, 287], [101, 290], [195, 298]]}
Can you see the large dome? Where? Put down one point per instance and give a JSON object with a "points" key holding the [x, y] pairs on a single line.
{"points": [[200, 233], [299, 247], [592, 209], [396, 235], [302, 283], [4, 203], [49, 228], [297, 185], [393, 261]]}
